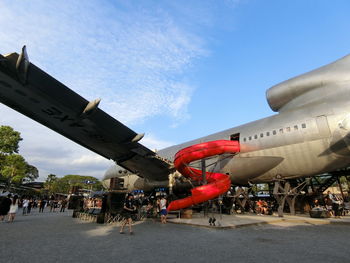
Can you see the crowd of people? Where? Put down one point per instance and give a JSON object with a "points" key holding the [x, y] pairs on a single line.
{"points": [[139, 206], [92, 203], [334, 204], [11, 203], [262, 207], [152, 209]]}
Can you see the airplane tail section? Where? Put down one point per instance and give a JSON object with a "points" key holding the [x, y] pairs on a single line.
{"points": [[218, 183], [305, 89]]}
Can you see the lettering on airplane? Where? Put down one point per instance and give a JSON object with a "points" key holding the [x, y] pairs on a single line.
{"points": [[57, 114]]}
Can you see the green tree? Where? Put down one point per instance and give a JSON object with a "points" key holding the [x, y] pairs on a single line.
{"points": [[83, 182], [51, 178], [9, 140], [63, 185], [13, 169], [50, 182], [31, 173]]}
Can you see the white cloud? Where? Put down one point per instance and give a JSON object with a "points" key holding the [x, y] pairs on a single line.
{"points": [[155, 144], [124, 57]]}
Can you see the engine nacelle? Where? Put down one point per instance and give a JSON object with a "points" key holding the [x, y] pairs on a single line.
{"points": [[115, 171]]}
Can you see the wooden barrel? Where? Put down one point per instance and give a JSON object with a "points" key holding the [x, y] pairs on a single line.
{"points": [[186, 213]]}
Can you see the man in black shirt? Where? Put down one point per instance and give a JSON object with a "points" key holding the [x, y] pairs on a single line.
{"points": [[128, 209], [5, 203]]}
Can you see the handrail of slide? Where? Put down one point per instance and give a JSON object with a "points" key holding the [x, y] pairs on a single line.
{"points": [[218, 183]]}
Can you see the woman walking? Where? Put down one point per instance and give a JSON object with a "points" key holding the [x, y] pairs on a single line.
{"points": [[13, 209], [128, 210], [163, 211]]}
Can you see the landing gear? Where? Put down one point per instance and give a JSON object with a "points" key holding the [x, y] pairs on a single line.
{"points": [[283, 192]]}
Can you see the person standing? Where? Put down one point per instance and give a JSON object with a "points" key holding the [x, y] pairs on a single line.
{"points": [[5, 204], [128, 209], [25, 204], [52, 203], [55, 205], [30, 205], [335, 204], [13, 209], [158, 206], [42, 205], [63, 205], [162, 208]]}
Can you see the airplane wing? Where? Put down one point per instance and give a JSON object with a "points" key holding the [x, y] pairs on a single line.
{"points": [[30, 91]]}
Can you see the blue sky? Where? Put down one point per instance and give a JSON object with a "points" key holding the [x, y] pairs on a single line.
{"points": [[176, 70]]}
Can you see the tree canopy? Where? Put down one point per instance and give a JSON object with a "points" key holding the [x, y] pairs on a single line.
{"points": [[13, 167], [9, 140], [64, 184]]}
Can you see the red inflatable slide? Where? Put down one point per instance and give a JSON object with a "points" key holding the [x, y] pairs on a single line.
{"points": [[218, 183]]}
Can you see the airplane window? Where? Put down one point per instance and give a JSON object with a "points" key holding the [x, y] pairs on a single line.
{"points": [[255, 136], [281, 130], [274, 132], [303, 125], [295, 127], [250, 138], [288, 129], [261, 135], [245, 139], [267, 133]]}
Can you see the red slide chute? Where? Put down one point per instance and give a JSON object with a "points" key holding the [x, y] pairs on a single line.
{"points": [[218, 183]]}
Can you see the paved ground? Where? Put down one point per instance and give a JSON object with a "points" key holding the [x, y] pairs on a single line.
{"points": [[60, 238], [246, 220]]}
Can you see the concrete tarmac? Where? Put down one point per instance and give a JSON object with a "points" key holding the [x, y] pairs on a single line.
{"points": [[250, 219], [57, 237]]}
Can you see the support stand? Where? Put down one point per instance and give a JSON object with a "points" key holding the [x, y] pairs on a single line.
{"points": [[204, 171], [283, 192], [241, 201], [341, 188]]}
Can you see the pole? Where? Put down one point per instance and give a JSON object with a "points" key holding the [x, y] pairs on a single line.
{"points": [[204, 172], [204, 178], [340, 187]]}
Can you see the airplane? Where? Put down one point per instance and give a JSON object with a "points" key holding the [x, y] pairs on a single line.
{"points": [[309, 134]]}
